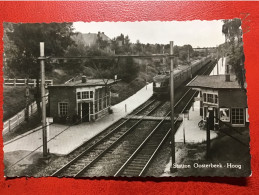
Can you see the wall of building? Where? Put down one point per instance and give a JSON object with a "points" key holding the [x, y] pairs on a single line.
{"points": [[62, 94], [101, 108], [229, 101], [232, 98]]}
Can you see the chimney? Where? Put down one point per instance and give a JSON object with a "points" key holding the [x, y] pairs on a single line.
{"points": [[83, 79], [227, 77]]}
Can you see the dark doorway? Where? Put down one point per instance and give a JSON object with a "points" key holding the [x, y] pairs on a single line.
{"points": [[85, 112], [79, 109]]}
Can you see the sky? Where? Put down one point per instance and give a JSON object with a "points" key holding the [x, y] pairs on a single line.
{"points": [[196, 33]]}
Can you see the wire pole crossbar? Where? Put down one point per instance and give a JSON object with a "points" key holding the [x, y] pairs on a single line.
{"points": [[107, 57]]}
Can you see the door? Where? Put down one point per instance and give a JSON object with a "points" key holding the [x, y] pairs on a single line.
{"points": [[85, 112], [79, 110]]}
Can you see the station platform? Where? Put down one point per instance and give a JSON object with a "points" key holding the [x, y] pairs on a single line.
{"points": [[63, 139]]}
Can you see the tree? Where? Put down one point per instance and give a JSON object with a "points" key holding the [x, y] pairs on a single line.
{"points": [[126, 46], [128, 70], [233, 36], [158, 48], [232, 29], [26, 39], [138, 47]]}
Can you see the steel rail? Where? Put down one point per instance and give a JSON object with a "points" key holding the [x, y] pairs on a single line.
{"points": [[115, 142], [168, 132], [105, 137], [123, 167], [152, 133]]}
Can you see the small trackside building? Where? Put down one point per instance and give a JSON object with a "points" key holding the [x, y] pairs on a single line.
{"points": [[223, 94], [80, 101]]}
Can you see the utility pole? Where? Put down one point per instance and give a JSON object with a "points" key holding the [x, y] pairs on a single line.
{"points": [[43, 100], [27, 94], [189, 63], [210, 125], [188, 56], [146, 76], [172, 169], [217, 60]]}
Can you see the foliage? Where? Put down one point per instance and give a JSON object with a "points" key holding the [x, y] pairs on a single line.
{"points": [[127, 69], [236, 60], [233, 34], [26, 39], [22, 59], [138, 47], [232, 29]]}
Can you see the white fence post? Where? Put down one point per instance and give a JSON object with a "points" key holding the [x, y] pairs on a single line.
{"points": [[18, 119], [9, 125]]}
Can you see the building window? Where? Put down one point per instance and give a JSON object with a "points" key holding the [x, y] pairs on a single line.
{"points": [[210, 98], [205, 97], [96, 106], [78, 95], [85, 95], [237, 116], [63, 108], [100, 104]]}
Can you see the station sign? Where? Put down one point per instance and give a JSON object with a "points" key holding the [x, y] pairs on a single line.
{"points": [[49, 119], [224, 114]]}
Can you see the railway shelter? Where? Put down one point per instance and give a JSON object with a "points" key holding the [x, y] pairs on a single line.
{"points": [[84, 100], [223, 95]]}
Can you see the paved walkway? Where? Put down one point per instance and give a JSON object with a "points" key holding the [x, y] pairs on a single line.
{"points": [[219, 68], [78, 134], [193, 134]]}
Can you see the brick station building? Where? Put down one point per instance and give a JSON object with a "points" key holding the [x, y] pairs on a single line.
{"points": [[223, 94], [85, 100]]}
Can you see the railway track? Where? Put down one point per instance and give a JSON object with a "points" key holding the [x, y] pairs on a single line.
{"points": [[142, 155], [107, 141], [139, 161]]}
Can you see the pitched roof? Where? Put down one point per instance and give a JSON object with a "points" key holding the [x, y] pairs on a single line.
{"points": [[89, 83], [214, 82]]}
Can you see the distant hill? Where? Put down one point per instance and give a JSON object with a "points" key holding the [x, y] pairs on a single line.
{"points": [[89, 39]]}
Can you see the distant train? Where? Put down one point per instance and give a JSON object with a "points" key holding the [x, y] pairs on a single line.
{"points": [[181, 74]]}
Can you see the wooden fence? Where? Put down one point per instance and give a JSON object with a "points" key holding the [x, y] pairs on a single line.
{"points": [[22, 82], [16, 120]]}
